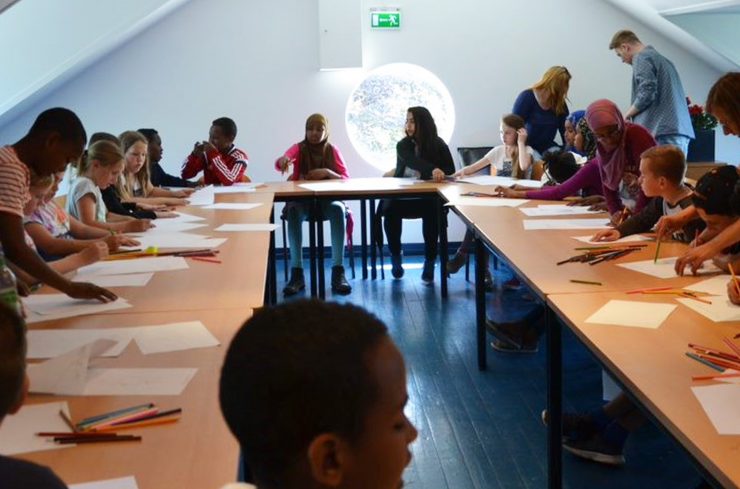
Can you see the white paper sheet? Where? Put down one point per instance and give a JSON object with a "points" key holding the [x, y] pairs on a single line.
{"points": [[233, 206], [150, 339], [66, 374], [246, 227], [632, 313], [486, 202], [720, 403], [633, 238], [501, 181], [45, 307], [133, 265], [715, 286], [556, 210], [539, 224], [664, 267], [179, 240], [202, 196], [138, 381], [168, 226], [18, 431], [233, 189], [123, 280], [720, 309], [358, 184], [121, 483], [182, 217]]}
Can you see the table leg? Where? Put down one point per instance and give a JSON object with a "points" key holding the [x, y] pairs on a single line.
{"points": [[312, 245], [554, 400], [320, 250], [363, 232], [373, 242], [480, 302], [271, 286], [442, 246]]}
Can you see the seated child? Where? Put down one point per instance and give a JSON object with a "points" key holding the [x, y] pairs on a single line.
{"points": [[158, 176], [15, 473], [662, 169], [221, 162], [57, 234], [315, 158], [326, 413]]}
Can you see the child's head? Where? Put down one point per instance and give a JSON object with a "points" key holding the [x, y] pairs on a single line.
{"points": [[154, 144], [135, 152], [314, 392], [585, 141], [317, 129], [510, 124], [571, 122], [723, 102], [57, 138], [712, 197], [607, 123], [420, 125], [222, 133], [560, 165], [38, 189], [662, 169], [103, 163], [12, 361], [554, 83]]}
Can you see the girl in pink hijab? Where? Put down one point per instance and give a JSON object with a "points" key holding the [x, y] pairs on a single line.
{"points": [[619, 145]]}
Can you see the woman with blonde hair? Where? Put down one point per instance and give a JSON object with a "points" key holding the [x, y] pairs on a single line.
{"points": [[543, 108]]}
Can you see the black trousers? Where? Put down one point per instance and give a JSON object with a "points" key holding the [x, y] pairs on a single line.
{"points": [[395, 210]]}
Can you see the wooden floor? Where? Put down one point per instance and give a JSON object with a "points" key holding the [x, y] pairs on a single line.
{"points": [[483, 429]]}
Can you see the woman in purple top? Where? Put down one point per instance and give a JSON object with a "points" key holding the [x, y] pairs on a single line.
{"points": [[544, 110]]}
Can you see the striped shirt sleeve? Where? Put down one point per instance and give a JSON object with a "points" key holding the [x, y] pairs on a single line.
{"points": [[14, 182]]}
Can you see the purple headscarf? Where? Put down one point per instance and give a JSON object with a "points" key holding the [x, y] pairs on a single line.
{"points": [[603, 113]]}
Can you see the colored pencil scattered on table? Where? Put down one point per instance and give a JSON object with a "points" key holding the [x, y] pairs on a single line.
{"points": [[705, 362], [734, 280], [586, 282], [657, 252], [598, 254], [717, 359]]}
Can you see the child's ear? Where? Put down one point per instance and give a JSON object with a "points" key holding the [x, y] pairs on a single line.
{"points": [[327, 458], [21, 396]]}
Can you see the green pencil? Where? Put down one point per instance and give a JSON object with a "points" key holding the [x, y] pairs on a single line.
{"points": [[587, 282], [657, 251]]}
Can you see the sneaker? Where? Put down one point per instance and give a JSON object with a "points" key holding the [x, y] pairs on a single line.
{"points": [[456, 263], [296, 282], [502, 333], [339, 282], [504, 347], [597, 449], [397, 265], [576, 426], [427, 274]]}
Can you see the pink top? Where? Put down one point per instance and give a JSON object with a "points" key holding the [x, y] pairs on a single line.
{"points": [[294, 153]]}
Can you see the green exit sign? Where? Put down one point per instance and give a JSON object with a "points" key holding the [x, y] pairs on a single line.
{"points": [[385, 20]]}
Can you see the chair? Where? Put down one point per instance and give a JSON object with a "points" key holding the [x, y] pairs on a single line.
{"points": [[468, 156], [350, 247]]}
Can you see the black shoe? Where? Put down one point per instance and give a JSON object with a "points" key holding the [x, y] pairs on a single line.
{"points": [[456, 263], [597, 449], [339, 282], [427, 274], [576, 426], [296, 282], [397, 266]]}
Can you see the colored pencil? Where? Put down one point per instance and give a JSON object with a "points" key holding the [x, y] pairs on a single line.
{"points": [[140, 424], [705, 362], [652, 289], [713, 377], [134, 416], [202, 258], [657, 252], [732, 346], [117, 412], [622, 216], [95, 439], [587, 282], [734, 279], [61, 434], [67, 421]]}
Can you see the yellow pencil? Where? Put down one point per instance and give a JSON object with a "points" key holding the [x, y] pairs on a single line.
{"points": [[657, 252], [139, 424]]}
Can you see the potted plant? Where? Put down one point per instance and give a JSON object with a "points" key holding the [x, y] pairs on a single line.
{"points": [[702, 147]]}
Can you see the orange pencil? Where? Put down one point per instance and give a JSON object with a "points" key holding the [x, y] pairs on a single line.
{"points": [[202, 258], [139, 424]]}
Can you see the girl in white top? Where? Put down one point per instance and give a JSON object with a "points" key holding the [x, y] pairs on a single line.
{"points": [[101, 168], [511, 159]]}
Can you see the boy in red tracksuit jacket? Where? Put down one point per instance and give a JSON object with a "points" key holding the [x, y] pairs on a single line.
{"points": [[221, 162]]}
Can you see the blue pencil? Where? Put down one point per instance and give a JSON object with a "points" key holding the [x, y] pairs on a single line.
{"points": [[705, 362]]}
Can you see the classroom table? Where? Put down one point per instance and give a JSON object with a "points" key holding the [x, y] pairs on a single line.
{"points": [[197, 451], [652, 367]]}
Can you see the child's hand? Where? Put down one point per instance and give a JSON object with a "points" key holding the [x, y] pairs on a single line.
{"points": [[117, 240], [165, 214], [182, 193], [607, 235], [138, 226], [668, 225], [507, 192], [208, 147], [521, 136], [85, 290], [94, 252], [197, 149], [459, 173], [284, 162], [438, 175], [732, 292]]}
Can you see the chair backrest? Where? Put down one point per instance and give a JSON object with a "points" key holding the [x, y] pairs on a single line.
{"points": [[469, 155]]}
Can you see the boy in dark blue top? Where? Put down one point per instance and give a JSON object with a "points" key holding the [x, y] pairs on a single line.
{"points": [[157, 175], [13, 387]]}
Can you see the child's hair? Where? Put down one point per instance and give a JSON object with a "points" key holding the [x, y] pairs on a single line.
{"points": [[295, 371], [426, 129], [555, 82], [560, 165], [98, 136], [44, 181], [228, 126], [589, 140], [515, 122], [725, 96], [105, 152], [12, 358], [714, 190], [148, 133], [62, 121], [307, 159], [143, 176], [666, 161], [623, 37]]}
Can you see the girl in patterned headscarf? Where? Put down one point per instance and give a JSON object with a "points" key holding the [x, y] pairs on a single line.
{"points": [[584, 141]]}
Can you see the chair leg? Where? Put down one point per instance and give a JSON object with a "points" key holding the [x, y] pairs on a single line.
{"points": [[285, 250], [351, 251]]}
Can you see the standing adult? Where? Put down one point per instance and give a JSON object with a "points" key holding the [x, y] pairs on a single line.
{"points": [[658, 99], [544, 110]]}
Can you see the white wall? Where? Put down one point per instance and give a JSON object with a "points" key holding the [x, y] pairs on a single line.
{"points": [[257, 62]]}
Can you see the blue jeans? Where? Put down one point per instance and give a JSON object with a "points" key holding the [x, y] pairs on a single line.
{"points": [[678, 140], [296, 213]]}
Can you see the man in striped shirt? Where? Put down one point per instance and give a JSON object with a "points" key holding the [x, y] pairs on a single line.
{"points": [[658, 100], [56, 138], [221, 162]]}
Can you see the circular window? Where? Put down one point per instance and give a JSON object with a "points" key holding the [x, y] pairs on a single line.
{"points": [[376, 109]]}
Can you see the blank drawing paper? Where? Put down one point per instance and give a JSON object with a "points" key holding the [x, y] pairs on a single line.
{"points": [[538, 224], [486, 202], [18, 431], [663, 267], [47, 307], [556, 210], [243, 227], [720, 309], [133, 265], [627, 239], [232, 206], [632, 313], [120, 483], [720, 403]]}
